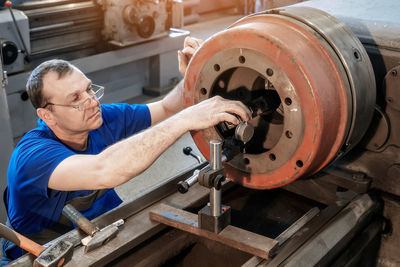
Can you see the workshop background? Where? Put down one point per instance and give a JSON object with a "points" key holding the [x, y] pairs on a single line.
{"points": [[344, 187]]}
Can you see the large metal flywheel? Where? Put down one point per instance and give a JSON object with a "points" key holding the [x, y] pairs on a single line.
{"points": [[313, 70]]}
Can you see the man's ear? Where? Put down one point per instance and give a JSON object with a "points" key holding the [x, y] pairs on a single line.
{"points": [[45, 115]]}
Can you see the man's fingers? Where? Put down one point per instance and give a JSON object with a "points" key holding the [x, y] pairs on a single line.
{"points": [[248, 114], [192, 42], [234, 107], [183, 62], [229, 118], [190, 46], [223, 116], [188, 51], [230, 109], [182, 59]]}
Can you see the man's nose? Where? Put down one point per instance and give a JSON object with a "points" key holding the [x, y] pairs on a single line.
{"points": [[91, 102]]}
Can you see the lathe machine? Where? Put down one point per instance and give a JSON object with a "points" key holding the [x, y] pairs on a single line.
{"points": [[312, 179]]}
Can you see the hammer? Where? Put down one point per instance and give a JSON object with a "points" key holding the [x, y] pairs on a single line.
{"points": [[57, 254], [96, 236]]}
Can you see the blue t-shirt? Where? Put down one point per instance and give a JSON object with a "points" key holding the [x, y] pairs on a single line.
{"points": [[32, 207]]}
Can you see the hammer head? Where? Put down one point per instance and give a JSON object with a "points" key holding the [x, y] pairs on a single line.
{"points": [[101, 237], [56, 255]]}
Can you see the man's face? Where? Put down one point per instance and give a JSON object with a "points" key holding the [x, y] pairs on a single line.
{"points": [[72, 89]]}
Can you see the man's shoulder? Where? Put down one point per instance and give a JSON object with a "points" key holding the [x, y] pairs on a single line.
{"points": [[37, 136], [37, 144]]}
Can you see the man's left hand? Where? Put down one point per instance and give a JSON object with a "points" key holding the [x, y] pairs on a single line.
{"points": [[190, 46]]}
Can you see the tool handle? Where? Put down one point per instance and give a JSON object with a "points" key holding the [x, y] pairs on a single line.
{"points": [[20, 240], [77, 218]]}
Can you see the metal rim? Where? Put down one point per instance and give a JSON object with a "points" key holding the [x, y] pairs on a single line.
{"points": [[303, 68]]}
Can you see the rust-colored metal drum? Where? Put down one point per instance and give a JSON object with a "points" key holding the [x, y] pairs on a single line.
{"points": [[323, 79]]}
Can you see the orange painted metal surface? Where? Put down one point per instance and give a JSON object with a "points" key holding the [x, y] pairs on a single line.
{"points": [[318, 80]]}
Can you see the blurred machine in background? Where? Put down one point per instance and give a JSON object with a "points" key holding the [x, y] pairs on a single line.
{"points": [[130, 47]]}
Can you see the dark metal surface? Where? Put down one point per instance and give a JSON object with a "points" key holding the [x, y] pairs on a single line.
{"points": [[287, 234], [358, 246], [231, 236], [317, 223], [321, 249]]}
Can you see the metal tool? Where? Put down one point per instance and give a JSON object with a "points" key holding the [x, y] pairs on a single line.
{"points": [[231, 148], [8, 4], [97, 237], [244, 132], [214, 217], [57, 254], [188, 151]]}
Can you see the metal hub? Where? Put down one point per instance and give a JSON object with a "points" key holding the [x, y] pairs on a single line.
{"points": [[313, 92]]}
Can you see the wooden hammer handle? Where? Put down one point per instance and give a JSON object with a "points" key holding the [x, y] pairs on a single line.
{"points": [[76, 217], [20, 240]]}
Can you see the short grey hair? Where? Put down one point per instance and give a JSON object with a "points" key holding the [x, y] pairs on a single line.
{"points": [[34, 85]]}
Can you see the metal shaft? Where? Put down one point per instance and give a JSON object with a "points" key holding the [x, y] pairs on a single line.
{"points": [[215, 162], [18, 31]]}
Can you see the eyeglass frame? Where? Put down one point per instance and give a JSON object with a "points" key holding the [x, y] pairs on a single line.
{"points": [[81, 106]]}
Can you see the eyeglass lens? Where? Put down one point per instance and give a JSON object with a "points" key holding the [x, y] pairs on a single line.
{"points": [[97, 91]]}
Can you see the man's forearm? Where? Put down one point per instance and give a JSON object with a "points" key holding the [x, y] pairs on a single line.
{"points": [[173, 102], [128, 158]]}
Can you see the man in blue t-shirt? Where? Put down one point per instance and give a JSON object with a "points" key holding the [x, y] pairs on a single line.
{"points": [[81, 150]]}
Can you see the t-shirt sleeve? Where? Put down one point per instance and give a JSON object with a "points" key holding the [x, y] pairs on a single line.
{"points": [[36, 160], [124, 119]]}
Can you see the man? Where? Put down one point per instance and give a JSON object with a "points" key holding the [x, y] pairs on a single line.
{"points": [[81, 149]]}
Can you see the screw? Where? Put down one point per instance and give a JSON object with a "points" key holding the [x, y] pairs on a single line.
{"points": [[358, 176]]}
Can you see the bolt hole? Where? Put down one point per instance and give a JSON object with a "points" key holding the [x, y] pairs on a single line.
{"points": [[217, 67], [270, 72], [203, 91], [272, 157], [394, 73], [288, 101], [299, 163], [24, 96], [242, 59], [356, 55], [390, 100], [246, 161], [289, 134]]}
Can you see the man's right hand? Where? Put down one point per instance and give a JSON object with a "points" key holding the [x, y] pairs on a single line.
{"points": [[212, 111]]}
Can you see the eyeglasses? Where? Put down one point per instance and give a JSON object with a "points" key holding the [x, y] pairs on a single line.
{"points": [[96, 92]]}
